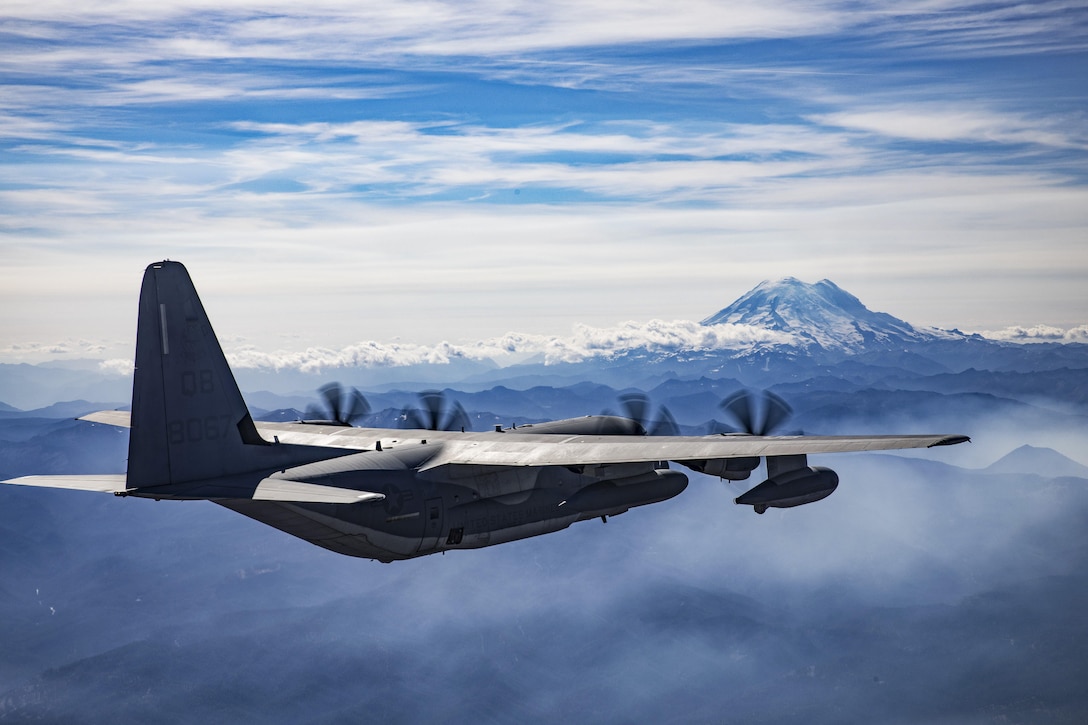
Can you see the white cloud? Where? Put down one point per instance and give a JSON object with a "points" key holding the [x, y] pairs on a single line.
{"points": [[363, 354], [334, 28], [37, 350], [337, 29], [329, 164], [1039, 333], [971, 28], [677, 335], [964, 123], [402, 160], [128, 34], [586, 342], [117, 366], [30, 349], [20, 127]]}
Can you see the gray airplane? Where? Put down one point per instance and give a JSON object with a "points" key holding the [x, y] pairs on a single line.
{"points": [[392, 494]]}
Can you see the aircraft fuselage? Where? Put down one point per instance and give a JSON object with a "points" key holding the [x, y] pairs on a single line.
{"points": [[422, 515]]}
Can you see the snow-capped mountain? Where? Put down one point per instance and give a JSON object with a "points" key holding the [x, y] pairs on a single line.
{"points": [[822, 315]]}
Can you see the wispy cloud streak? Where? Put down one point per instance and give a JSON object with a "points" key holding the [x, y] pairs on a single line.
{"points": [[332, 28]]}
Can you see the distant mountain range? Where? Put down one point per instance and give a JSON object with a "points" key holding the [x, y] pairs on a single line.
{"points": [[822, 331], [812, 331]]}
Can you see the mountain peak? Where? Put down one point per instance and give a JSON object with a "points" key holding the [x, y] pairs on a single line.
{"points": [[821, 314], [1042, 461]]}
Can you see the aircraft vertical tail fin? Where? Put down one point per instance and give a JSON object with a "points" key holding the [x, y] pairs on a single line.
{"points": [[189, 421]]}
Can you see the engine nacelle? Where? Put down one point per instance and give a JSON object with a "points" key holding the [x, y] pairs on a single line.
{"points": [[791, 488], [731, 469]]}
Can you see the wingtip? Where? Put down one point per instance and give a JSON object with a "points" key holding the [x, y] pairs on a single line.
{"points": [[951, 441]]}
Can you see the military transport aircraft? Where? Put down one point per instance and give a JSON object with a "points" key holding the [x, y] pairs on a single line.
{"points": [[391, 494]]}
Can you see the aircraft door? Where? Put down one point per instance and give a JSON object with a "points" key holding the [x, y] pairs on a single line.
{"points": [[433, 520]]}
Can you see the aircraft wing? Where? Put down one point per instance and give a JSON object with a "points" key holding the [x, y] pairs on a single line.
{"points": [[502, 449], [549, 450], [499, 449], [285, 491]]}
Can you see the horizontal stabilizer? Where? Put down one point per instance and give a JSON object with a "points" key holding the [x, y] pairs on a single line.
{"points": [[269, 489], [118, 418], [278, 489], [107, 483], [282, 490]]}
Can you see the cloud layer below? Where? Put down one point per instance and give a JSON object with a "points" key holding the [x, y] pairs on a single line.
{"points": [[586, 343]]}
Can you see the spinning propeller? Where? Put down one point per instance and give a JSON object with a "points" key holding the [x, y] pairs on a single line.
{"points": [[342, 406], [437, 413], [636, 406], [756, 414]]}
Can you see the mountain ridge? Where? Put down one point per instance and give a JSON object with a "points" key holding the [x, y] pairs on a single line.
{"points": [[1029, 460]]}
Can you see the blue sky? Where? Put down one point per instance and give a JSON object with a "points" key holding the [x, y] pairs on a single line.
{"points": [[429, 171]]}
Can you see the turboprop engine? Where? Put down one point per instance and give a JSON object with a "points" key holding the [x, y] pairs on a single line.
{"points": [[790, 480], [791, 488]]}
